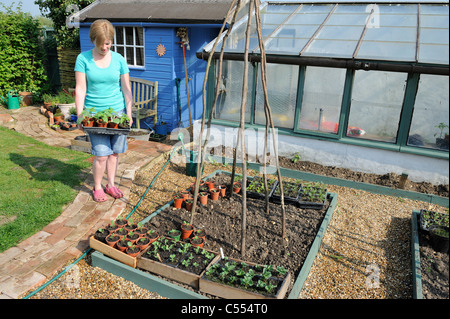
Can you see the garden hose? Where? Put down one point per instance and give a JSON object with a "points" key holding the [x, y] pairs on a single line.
{"points": [[89, 249]]}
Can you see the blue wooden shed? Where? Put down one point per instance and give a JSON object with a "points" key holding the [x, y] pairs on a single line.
{"points": [[149, 35]]}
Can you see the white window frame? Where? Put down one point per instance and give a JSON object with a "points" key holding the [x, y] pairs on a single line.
{"points": [[134, 46]]}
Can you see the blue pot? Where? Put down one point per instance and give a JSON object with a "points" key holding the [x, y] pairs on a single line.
{"points": [[161, 129]]}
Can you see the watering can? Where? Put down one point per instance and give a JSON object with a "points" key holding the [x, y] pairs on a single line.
{"points": [[13, 100], [191, 158]]}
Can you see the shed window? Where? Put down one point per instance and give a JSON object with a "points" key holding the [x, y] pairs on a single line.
{"points": [[377, 99], [129, 41], [430, 124]]}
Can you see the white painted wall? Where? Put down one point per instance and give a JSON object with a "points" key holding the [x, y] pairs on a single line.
{"points": [[357, 158]]}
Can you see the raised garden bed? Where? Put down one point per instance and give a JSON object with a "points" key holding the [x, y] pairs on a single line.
{"points": [[430, 267], [304, 228]]}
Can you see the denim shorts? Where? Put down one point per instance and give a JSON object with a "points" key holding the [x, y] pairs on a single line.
{"points": [[105, 145]]}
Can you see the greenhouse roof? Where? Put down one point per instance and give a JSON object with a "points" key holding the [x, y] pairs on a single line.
{"points": [[400, 31]]}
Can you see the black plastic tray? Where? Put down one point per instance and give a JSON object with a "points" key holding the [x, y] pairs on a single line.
{"points": [[106, 130], [287, 199]]}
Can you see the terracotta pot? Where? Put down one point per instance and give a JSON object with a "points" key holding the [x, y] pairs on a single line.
{"points": [[142, 231], [87, 123], [131, 227], [222, 190], [121, 232], [200, 233], [27, 98], [133, 251], [237, 187], [186, 230], [112, 125], [203, 196], [185, 195], [122, 245], [188, 204], [177, 202], [121, 222], [153, 236], [58, 118], [214, 194], [101, 235], [192, 186], [100, 123], [132, 236], [110, 242], [143, 243], [210, 184], [197, 242]]}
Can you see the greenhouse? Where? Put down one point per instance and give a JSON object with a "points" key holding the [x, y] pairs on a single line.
{"points": [[371, 77]]}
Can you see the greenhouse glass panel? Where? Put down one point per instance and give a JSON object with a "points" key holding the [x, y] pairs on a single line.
{"points": [[322, 99], [376, 104], [399, 51], [433, 40], [430, 123], [331, 48], [230, 97], [282, 82]]}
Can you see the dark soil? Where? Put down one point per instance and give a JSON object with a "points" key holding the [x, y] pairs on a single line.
{"points": [[389, 180], [263, 242], [434, 269]]}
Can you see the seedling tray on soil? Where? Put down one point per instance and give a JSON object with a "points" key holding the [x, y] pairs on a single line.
{"points": [[231, 286], [106, 130], [260, 181], [160, 262], [289, 197]]}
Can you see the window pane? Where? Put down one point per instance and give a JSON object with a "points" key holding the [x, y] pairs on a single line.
{"points": [[130, 56], [322, 99], [429, 126], [229, 100], [119, 35], [282, 92], [140, 56], [129, 35], [139, 36], [377, 99], [120, 50]]}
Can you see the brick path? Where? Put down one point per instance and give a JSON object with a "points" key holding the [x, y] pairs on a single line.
{"points": [[40, 257]]}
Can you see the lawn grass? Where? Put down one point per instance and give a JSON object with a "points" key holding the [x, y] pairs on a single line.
{"points": [[36, 181]]}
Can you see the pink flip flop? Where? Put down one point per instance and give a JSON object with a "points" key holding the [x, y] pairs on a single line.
{"points": [[99, 195], [114, 192]]}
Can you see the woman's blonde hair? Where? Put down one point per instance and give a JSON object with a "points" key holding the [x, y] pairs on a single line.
{"points": [[100, 31]]}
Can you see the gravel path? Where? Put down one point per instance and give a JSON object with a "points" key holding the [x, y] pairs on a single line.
{"points": [[365, 252]]}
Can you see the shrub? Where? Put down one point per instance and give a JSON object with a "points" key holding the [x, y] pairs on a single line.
{"points": [[21, 51]]}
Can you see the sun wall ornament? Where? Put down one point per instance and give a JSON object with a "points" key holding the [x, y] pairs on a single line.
{"points": [[161, 49]]}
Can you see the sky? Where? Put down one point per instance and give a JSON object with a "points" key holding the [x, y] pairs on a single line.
{"points": [[27, 6]]}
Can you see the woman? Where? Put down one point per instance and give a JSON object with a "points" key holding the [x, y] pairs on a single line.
{"points": [[102, 81]]}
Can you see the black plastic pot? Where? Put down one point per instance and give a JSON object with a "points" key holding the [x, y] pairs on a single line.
{"points": [[439, 242]]}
